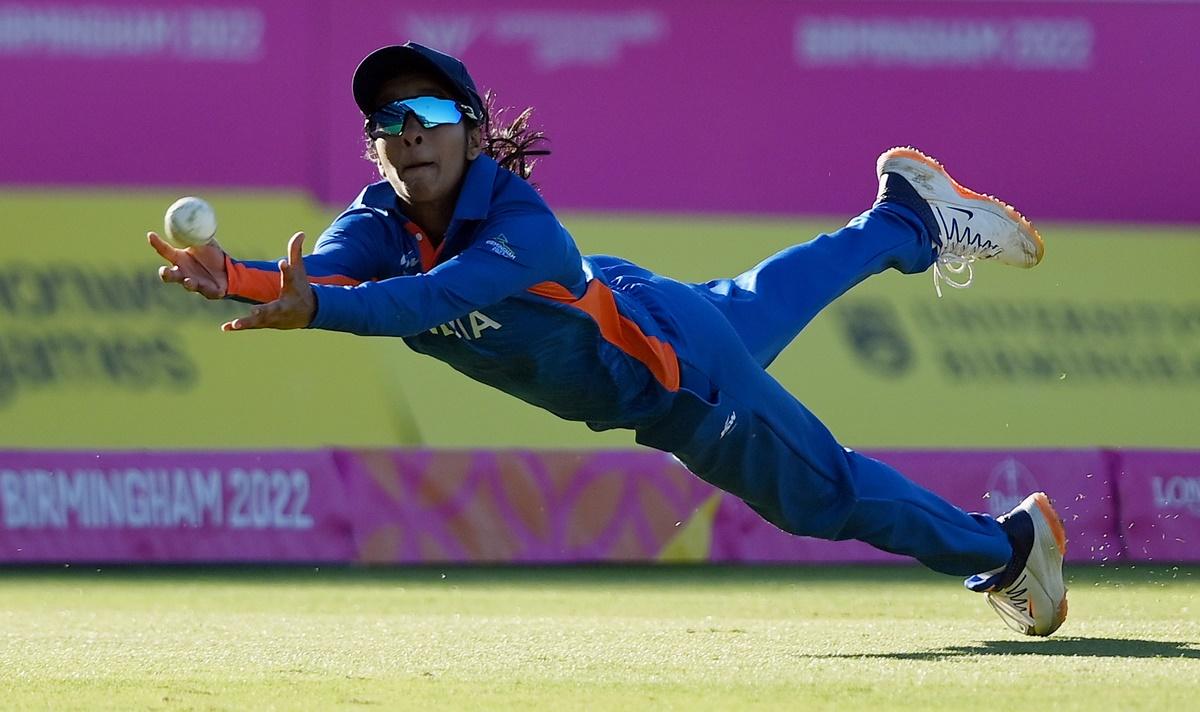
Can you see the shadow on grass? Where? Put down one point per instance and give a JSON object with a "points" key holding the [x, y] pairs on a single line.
{"points": [[1074, 647], [601, 574], [596, 574]]}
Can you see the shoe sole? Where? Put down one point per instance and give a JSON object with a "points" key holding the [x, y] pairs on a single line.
{"points": [[1046, 561], [911, 154]]}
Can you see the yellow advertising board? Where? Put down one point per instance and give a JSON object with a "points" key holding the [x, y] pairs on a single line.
{"points": [[95, 352], [1100, 345]]}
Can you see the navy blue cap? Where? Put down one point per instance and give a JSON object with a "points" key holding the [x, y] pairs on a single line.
{"points": [[387, 62]]}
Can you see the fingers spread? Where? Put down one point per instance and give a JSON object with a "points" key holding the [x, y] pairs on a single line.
{"points": [[286, 278], [170, 274], [293, 309], [209, 290], [284, 313], [292, 275], [241, 323], [162, 248], [261, 316], [295, 248]]}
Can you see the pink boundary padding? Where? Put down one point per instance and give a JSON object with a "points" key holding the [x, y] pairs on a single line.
{"points": [[520, 506], [991, 482], [173, 507], [517, 506], [1159, 498]]}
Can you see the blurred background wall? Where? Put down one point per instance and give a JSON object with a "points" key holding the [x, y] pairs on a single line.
{"points": [[696, 138]]}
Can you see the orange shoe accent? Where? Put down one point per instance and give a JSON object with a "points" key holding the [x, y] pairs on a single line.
{"points": [[913, 154], [1059, 618], [1056, 525]]}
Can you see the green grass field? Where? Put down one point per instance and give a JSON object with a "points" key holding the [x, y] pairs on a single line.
{"points": [[591, 638]]}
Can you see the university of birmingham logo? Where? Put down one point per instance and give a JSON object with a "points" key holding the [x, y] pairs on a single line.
{"points": [[872, 327]]}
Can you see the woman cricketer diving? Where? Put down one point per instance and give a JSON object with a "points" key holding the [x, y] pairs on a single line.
{"points": [[457, 254]]}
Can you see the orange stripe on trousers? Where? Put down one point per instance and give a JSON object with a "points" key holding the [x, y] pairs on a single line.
{"points": [[620, 331]]}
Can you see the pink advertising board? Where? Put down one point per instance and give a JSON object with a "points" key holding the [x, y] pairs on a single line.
{"points": [[177, 507], [1160, 504], [161, 94], [977, 481], [1070, 110], [517, 506]]}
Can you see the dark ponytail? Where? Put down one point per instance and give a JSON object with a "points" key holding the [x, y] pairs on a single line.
{"points": [[511, 143]]}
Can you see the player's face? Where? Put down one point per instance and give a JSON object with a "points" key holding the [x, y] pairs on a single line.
{"points": [[424, 166]]}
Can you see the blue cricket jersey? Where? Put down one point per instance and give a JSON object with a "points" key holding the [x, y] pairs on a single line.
{"points": [[506, 299]]}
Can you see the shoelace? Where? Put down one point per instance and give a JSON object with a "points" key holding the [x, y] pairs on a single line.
{"points": [[947, 265]]}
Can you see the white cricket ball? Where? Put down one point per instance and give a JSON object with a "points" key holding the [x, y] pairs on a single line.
{"points": [[190, 222]]}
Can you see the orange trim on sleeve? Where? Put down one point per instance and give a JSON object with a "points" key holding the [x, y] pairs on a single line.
{"points": [[620, 331], [248, 283], [264, 286], [336, 280], [553, 290]]}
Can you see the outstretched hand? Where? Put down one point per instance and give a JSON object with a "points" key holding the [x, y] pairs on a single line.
{"points": [[199, 269], [296, 305]]}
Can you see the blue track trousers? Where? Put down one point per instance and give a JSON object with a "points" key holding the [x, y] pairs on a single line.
{"points": [[736, 427]]}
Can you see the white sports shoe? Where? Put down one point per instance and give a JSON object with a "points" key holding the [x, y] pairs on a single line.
{"points": [[1029, 594], [972, 226]]}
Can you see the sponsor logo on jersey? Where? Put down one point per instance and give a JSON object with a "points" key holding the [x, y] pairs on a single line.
{"points": [[409, 260], [499, 245], [729, 423], [469, 327]]}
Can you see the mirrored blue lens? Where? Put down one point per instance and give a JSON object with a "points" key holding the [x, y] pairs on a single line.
{"points": [[430, 111]]}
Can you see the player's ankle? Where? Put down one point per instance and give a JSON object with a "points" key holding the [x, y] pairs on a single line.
{"points": [[895, 189]]}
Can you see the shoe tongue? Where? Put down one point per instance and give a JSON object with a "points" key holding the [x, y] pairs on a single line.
{"points": [[986, 581], [1018, 526]]}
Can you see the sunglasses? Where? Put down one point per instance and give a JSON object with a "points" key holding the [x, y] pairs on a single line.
{"points": [[431, 111]]}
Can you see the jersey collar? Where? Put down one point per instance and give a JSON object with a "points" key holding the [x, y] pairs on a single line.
{"points": [[474, 203], [475, 198]]}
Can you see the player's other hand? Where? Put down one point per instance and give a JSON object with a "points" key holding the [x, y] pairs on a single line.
{"points": [[296, 305], [199, 269]]}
